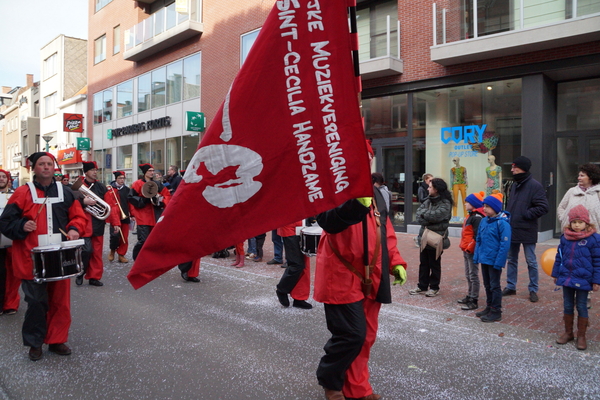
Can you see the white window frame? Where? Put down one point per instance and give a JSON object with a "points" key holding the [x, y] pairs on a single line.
{"points": [[100, 49], [50, 66]]}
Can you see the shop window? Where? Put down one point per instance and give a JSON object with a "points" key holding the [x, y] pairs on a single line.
{"points": [[143, 153], [578, 105], [173, 152], [386, 116], [158, 87], [191, 77], [174, 82], [124, 99], [144, 86], [248, 40], [100, 49], [157, 155], [190, 144], [124, 157]]}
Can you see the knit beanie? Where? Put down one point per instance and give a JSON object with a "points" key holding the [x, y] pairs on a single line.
{"points": [[118, 174], [494, 201], [476, 199], [522, 162], [66, 176], [32, 159], [89, 165], [145, 168], [7, 174], [579, 213]]}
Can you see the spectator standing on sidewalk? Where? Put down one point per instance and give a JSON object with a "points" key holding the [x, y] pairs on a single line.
{"points": [[277, 248], [526, 204]]}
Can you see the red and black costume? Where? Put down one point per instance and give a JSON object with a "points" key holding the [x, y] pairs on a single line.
{"points": [[48, 315], [352, 316], [120, 241], [9, 284], [296, 277], [144, 211]]}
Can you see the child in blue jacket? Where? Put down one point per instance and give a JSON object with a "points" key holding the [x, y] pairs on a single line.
{"points": [[491, 250], [577, 270]]}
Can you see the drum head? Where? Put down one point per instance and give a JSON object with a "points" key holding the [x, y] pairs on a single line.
{"points": [[312, 231], [72, 244], [48, 247]]}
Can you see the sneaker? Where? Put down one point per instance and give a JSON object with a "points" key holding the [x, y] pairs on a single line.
{"points": [[492, 316], [471, 305], [257, 259], [432, 293], [274, 262], [484, 312], [533, 297], [464, 300], [508, 292], [416, 291], [250, 256]]}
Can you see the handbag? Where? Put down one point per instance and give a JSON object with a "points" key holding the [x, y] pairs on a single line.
{"points": [[435, 240]]}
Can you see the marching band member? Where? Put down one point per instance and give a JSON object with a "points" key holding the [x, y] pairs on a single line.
{"points": [[48, 316], [144, 210], [295, 279], [9, 285], [94, 233], [119, 241]]}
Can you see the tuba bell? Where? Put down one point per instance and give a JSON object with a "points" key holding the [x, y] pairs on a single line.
{"points": [[101, 209], [150, 191]]}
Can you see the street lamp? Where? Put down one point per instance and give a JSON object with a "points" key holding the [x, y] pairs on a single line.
{"points": [[47, 138]]}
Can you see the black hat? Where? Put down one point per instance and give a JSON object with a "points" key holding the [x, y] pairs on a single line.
{"points": [[88, 165], [523, 163], [118, 174], [32, 159], [145, 168]]}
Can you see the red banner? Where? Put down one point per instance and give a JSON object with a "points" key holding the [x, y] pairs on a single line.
{"points": [[68, 156], [287, 143], [72, 122]]}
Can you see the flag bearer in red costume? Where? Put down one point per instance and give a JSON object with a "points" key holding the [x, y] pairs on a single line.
{"points": [[25, 220], [94, 234], [351, 305], [9, 285], [144, 211]]}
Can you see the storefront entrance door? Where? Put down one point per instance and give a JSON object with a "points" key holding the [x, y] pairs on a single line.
{"points": [[394, 161]]}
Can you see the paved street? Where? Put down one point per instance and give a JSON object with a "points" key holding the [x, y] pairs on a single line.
{"points": [[228, 338]]}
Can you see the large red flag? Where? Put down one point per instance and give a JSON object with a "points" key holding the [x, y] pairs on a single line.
{"points": [[287, 143]]}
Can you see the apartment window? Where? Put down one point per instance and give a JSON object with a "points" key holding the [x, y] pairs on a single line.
{"points": [[158, 87], [116, 39], [100, 4], [174, 77], [98, 108], [144, 86], [247, 42], [191, 77], [372, 30], [50, 105], [125, 99], [100, 49], [50, 66], [107, 96]]}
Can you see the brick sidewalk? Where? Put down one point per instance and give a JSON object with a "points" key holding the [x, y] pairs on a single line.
{"points": [[545, 315]]}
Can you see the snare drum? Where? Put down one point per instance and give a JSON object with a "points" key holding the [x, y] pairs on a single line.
{"points": [[309, 240], [56, 262]]}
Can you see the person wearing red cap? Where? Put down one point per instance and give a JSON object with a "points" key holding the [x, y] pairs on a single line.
{"points": [[119, 240], [577, 270], [9, 284], [94, 235], [65, 180], [48, 316], [146, 211], [353, 300]]}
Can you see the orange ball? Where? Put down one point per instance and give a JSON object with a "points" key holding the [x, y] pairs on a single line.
{"points": [[547, 260]]}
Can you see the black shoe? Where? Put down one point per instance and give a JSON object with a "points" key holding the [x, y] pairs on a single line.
{"points": [[533, 297], [284, 265], [302, 304], [11, 311], [95, 282], [59, 348], [187, 278], [483, 312], [274, 262], [493, 316], [79, 280], [464, 300], [35, 353], [471, 305], [283, 298], [508, 292]]}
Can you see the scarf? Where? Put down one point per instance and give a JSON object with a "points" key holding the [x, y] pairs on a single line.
{"points": [[575, 236], [521, 177], [584, 189]]}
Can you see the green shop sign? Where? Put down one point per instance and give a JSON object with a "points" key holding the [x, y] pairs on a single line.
{"points": [[195, 121]]}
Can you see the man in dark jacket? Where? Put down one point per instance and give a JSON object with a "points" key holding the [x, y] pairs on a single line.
{"points": [[526, 204], [173, 178]]}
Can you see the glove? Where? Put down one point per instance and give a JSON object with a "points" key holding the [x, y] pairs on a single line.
{"points": [[365, 201], [400, 275]]}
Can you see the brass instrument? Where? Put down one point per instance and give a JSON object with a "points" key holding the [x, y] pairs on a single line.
{"points": [[123, 216], [150, 191], [101, 209]]}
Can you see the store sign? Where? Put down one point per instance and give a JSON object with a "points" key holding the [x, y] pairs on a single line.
{"points": [[465, 134], [141, 127], [84, 143], [195, 121], [72, 122], [68, 156]]}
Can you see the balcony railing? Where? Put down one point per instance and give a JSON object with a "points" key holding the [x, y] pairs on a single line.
{"points": [[457, 23], [381, 55], [162, 29]]}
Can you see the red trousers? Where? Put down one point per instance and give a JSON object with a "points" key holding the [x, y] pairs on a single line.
{"points": [[356, 384], [11, 296], [195, 270], [96, 267], [123, 244], [239, 249], [59, 312], [302, 289]]}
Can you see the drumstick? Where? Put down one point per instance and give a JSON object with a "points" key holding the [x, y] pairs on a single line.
{"points": [[64, 233], [40, 210]]}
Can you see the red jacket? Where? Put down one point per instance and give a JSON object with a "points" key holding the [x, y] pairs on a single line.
{"points": [[143, 211], [288, 230], [334, 282], [21, 208], [469, 231]]}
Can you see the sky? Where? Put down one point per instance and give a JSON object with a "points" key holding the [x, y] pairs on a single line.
{"points": [[28, 25]]}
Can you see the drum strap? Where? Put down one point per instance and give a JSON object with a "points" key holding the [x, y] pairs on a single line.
{"points": [[365, 280], [50, 237]]}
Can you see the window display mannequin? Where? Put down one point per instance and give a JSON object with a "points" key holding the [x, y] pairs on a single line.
{"points": [[458, 183], [494, 177]]}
